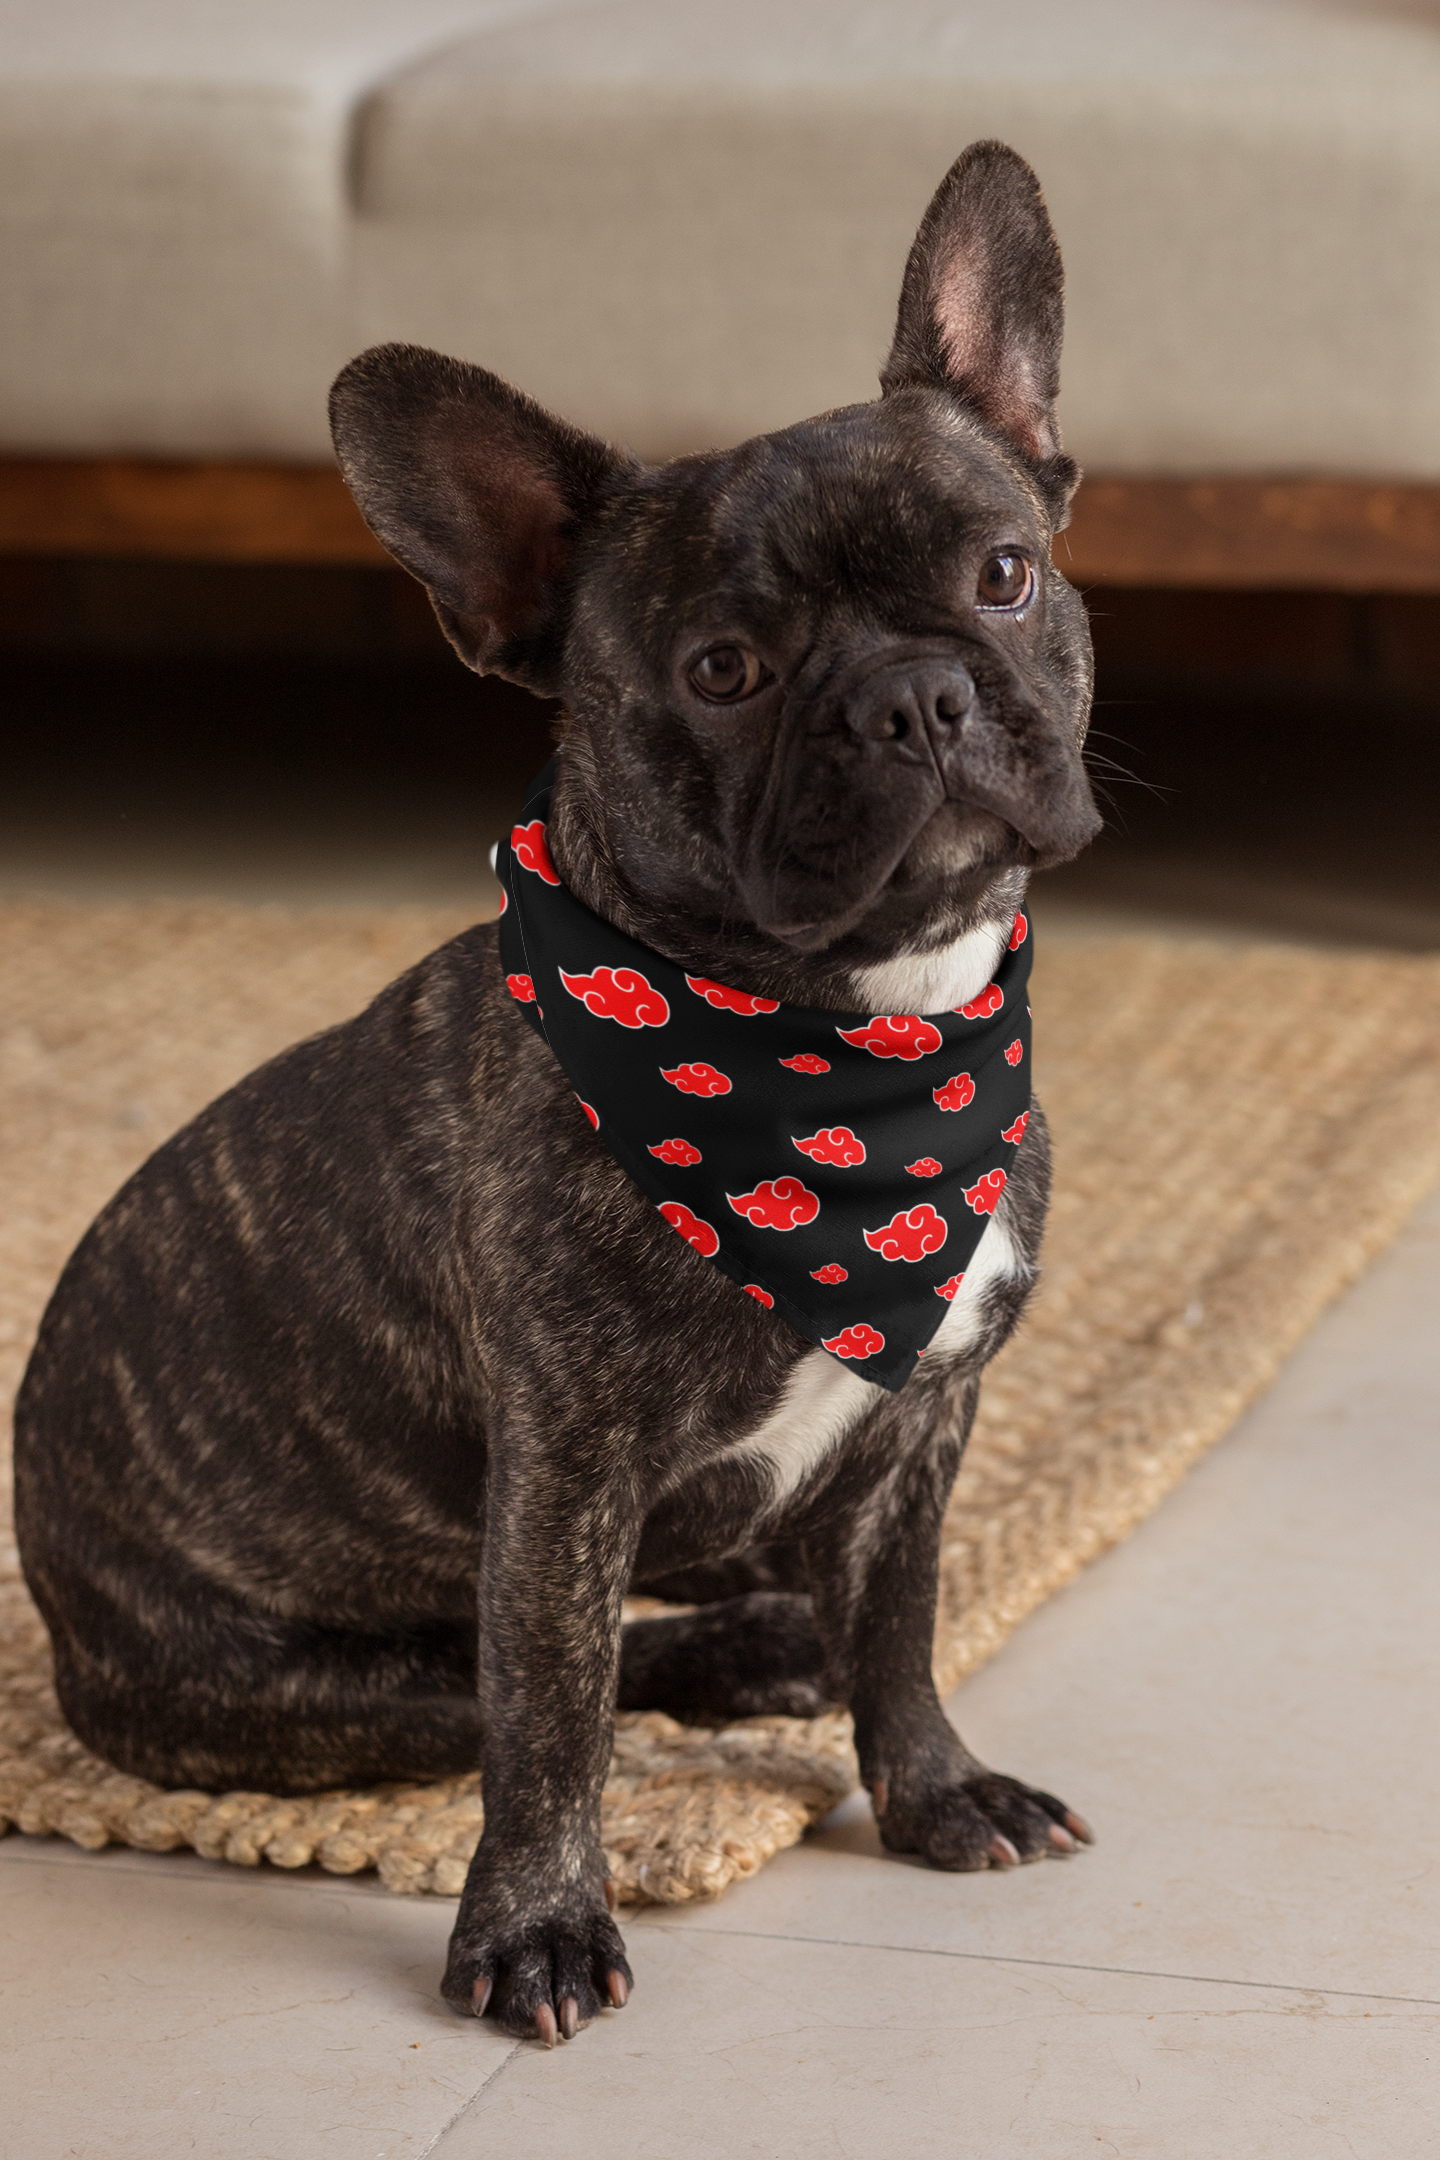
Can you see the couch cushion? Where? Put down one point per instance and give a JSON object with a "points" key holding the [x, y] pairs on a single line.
{"points": [[174, 213], [680, 222]]}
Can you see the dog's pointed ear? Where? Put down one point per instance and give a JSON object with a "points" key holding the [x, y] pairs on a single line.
{"points": [[982, 306], [478, 491]]}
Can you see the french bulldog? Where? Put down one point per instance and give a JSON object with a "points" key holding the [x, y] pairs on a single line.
{"points": [[363, 1406]]}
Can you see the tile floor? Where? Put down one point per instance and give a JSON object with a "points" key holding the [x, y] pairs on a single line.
{"points": [[1242, 1700]]}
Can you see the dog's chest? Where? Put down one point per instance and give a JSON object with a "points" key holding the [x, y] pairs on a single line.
{"points": [[824, 1400]]}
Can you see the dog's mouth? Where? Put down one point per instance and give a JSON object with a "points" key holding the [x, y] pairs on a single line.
{"points": [[931, 866], [908, 791]]}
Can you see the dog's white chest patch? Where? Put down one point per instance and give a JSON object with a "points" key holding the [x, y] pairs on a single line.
{"points": [[996, 1259], [935, 981], [822, 1400]]}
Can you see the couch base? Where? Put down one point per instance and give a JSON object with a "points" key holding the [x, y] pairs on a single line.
{"points": [[1250, 534]]}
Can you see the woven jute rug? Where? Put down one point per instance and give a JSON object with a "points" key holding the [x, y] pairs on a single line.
{"points": [[1238, 1130]]}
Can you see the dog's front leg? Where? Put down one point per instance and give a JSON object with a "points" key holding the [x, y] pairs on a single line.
{"points": [[534, 1944], [874, 1578]]}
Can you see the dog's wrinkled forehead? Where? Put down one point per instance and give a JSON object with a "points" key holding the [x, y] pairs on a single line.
{"points": [[871, 510]]}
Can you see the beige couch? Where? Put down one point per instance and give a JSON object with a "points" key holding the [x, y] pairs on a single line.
{"points": [[680, 221]]}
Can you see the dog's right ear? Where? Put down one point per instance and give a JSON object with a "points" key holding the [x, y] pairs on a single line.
{"points": [[478, 491], [982, 306]]}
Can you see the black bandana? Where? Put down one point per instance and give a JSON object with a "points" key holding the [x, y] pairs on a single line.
{"points": [[841, 1168]]}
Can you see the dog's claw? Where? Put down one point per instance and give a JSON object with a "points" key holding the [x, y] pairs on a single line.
{"points": [[617, 1989], [1061, 1839], [545, 2026], [1078, 1827], [611, 1897], [480, 1995], [1002, 1852], [569, 2017]]}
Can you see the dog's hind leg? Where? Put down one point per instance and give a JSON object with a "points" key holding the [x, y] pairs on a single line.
{"points": [[752, 1656], [283, 1708], [762, 1567]]}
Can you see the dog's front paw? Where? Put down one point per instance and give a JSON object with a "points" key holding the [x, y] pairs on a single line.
{"points": [[540, 1974], [979, 1821]]}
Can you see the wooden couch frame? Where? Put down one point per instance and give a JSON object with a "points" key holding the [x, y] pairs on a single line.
{"points": [[1319, 535]]}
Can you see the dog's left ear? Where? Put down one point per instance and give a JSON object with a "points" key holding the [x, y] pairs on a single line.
{"points": [[479, 492], [982, 306]]}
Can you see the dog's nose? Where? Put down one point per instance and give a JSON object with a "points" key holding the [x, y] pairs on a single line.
{"points": [[915, 707]]}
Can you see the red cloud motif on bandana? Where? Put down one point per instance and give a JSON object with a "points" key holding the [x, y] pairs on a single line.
{"points": [[991, 998], [1019, 934], [678, 1152], [781, 1203], [594, 1120], [697, 1080], [925, 1167], [1015, 1052], [532, 850], [806, 1062], [521, 987], [504, 901], [902, 1035], [831, 1272], [736, 1001], [1015, 1133], [985, 1197], [833, 1144], [955, 1093], [859, 1341], [910, 1234], [696, 1233], [619, 994], [762, 1297], [947, 1290]]}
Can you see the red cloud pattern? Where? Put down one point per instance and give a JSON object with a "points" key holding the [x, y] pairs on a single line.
{"points": [[779, 1204], [521, 987], [831, 1272], [504, 901], [955, 1093], [697, 1080], [947, 1290], [806, 1062], [594, 1119], [762, 1296], [1019, 934], [991, 998], [736, 1001], [1015, 1133], [833, 1144], [1015, 1052], [678, 1152], [925, 1167], [910, 1234], [902, 1035], [859, 1341], [696, 1233], [985, 1197], [620, 994], [532, 850]]}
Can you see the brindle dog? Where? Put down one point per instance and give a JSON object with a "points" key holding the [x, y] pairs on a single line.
{"points": [[360, 1409]]}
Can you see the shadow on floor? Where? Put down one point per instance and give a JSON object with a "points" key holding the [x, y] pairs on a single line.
{"points": [[1269, 764]]}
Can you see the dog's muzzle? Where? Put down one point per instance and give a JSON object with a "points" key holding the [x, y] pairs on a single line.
{"points": [[927, 712]]}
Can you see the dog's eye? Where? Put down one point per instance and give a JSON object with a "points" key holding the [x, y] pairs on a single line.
{"points": [[1005, 581], [726, 674]]}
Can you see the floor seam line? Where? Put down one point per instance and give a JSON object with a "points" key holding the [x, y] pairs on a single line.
{"points": [[1000, 1957], [465, 2106]]}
